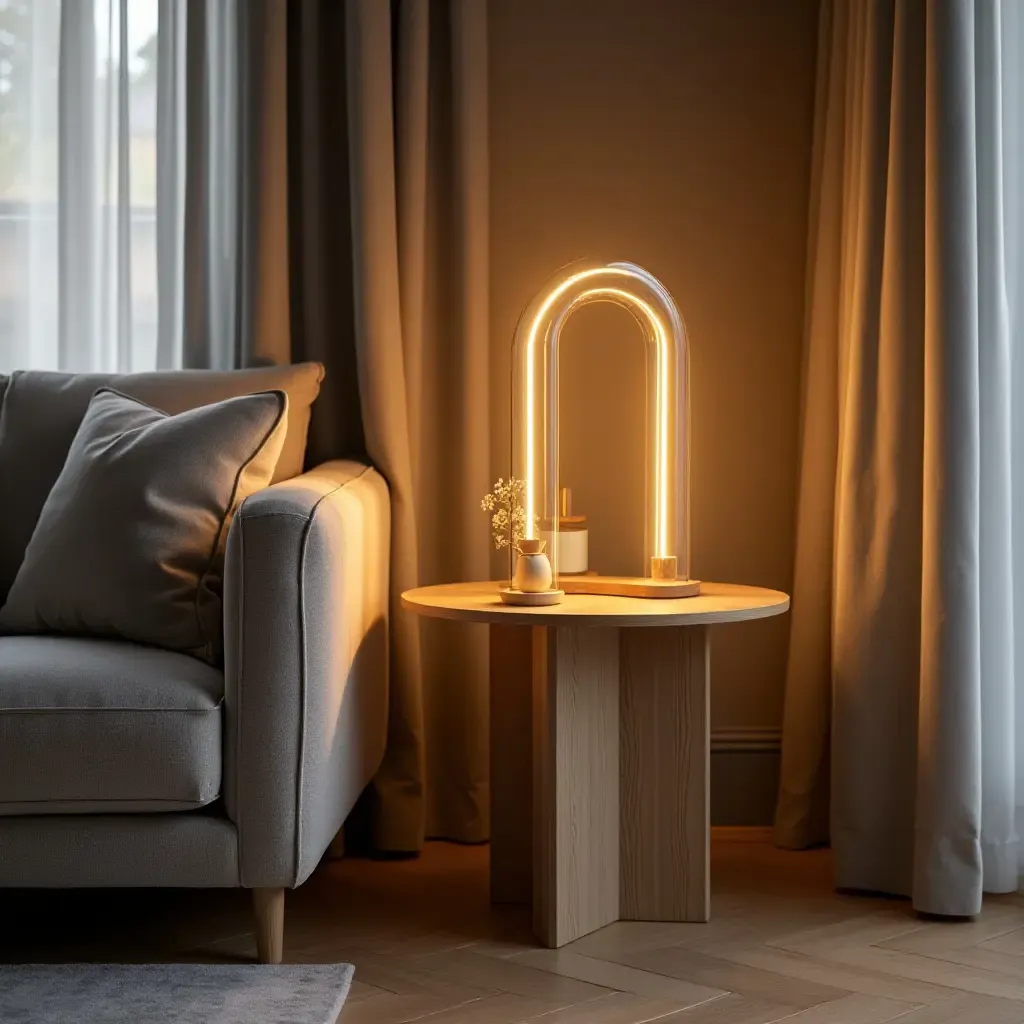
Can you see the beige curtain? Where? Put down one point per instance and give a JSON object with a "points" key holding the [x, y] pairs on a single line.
{"points": [[328, 201], [901, 682], [388, 143]]}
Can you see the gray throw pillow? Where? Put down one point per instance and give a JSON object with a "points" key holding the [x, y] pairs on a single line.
{"points": [[42, 409], [131, 540]]}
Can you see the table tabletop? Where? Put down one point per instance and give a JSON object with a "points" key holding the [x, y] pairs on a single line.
{"points": [[479, 602]]}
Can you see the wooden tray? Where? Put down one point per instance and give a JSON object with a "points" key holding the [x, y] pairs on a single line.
{"points": [[628, 586]]}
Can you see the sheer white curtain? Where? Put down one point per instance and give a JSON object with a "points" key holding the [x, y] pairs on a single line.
{"points": [[121, 186], [905, 689], [78, 102]]}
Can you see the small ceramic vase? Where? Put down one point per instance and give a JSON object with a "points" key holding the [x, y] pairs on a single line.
{"points": [[533, 570]]}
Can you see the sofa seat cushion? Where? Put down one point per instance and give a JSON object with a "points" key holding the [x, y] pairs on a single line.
{"points": [[90, 726]]}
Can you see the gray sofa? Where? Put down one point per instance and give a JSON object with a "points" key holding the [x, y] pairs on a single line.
{"points": [[125, 765]]}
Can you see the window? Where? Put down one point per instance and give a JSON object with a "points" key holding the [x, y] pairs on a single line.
{"points": [[78, 129]]}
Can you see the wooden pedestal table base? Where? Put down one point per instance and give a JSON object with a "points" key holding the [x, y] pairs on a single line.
{"points": [[599, 750]]}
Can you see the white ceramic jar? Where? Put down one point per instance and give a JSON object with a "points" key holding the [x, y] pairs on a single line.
{"points": [[572, 547], [533, 570]]}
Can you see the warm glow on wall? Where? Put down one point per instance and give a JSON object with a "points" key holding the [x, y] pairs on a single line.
{"points": [[535, 407]]}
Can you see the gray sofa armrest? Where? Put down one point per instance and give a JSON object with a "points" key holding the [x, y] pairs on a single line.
{"points": [[305, 664]]}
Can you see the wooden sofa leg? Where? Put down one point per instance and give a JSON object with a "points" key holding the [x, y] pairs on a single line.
{"points": [[268, 908]]}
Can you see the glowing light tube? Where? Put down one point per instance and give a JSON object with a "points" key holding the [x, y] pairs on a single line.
{"points": [[535, 404]]}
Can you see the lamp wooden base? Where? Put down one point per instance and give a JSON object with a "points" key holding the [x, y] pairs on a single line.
{"points": [[628, 586], [599, 775]]}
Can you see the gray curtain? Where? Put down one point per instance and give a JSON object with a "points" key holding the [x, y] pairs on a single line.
{"points": [[222, 184], [900, 698], [388, 230]]}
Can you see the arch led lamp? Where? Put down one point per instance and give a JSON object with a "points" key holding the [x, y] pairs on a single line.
{"points": [[535, 422]]}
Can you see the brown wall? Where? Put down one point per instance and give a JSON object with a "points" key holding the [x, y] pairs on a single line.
{"points": [[677, 134]]}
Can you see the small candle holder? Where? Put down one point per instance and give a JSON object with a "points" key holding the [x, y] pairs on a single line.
{"points": [[665, 567]]}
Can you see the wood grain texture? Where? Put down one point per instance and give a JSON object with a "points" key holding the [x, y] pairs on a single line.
{"points": [[575, 782], [479, 602], [665, 774], [268, 910], [511, 718]]}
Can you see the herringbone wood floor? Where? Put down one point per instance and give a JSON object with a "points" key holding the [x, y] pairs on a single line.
{"points": [[427, 947]]}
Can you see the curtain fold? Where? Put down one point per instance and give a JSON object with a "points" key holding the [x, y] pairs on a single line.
{"points": [[320, 223], [900, 693], [235, 284], [383, 394], [78, 187], [171, 144], [388, 173], [265, 310]]}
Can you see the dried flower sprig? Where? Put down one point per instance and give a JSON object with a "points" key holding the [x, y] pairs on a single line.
{"points": [[508, 517]]}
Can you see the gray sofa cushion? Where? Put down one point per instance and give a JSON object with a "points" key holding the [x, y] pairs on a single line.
{"points": [[91, 726], [130, 542], [41, 411]]}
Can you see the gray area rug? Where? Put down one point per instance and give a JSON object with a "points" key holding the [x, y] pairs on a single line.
{"points": [[173, 993]]}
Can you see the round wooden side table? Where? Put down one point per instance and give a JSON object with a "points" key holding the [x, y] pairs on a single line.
{"points": [[600, 740]]}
